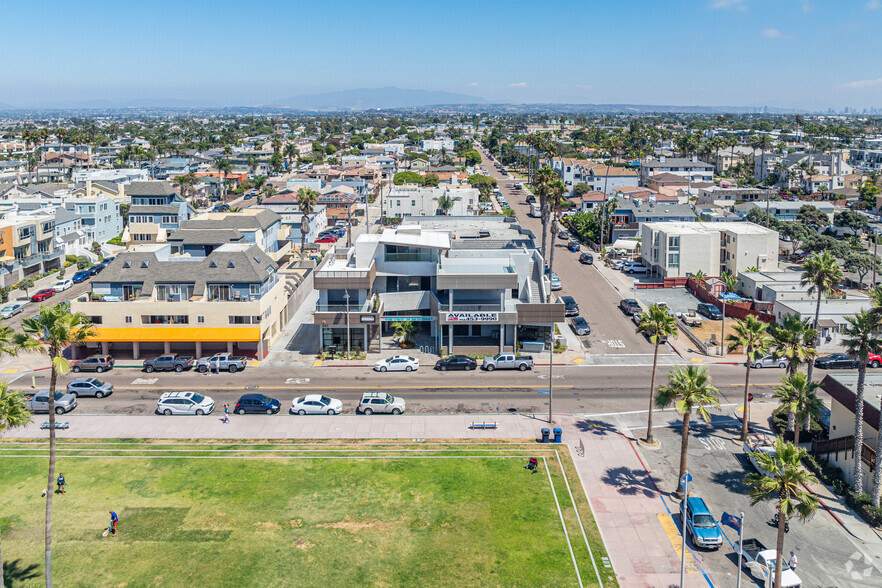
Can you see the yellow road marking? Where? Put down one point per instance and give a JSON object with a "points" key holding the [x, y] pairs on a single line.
{"points": [[696, 360], [739, 409], [579, 360], [255, 364], [317, 363], [308, 387], [10, 371], [673, 534]]}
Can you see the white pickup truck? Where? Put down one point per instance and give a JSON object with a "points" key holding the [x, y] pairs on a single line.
{"points": [[508, 361], [761, 562]]}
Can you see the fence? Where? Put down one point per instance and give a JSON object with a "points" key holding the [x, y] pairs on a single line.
{"points": [[736, 310]]}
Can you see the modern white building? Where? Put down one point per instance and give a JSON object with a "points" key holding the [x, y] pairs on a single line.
{"points": [[409, 200], [831, 319], [698, 171], [437, 144]]}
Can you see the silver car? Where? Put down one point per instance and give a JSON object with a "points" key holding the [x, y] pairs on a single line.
{"points": [[184, 403], [555, 282], [372, 402], [89, 387], [770, 361], [11, 310]]}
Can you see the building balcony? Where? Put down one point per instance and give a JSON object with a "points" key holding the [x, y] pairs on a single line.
{"points": [[338, 276]]}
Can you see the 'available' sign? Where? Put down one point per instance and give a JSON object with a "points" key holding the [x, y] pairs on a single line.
{"points": [[473, 317]]}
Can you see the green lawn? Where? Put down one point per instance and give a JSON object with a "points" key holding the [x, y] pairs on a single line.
{"points": [[259, 517]]}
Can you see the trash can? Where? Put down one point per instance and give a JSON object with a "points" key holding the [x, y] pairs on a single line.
{"points": [[546, 433], [557, 434]]}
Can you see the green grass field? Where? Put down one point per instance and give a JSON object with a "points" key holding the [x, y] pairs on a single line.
{"points": [[265, 515]]}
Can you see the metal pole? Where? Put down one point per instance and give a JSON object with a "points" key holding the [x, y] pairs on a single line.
{"points": [[551, 375], [741, 548], [348, 330], [875, 242], [683, 548], [723, 331]]}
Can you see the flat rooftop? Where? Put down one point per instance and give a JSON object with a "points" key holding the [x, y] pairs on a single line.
{"points": [[695, 228]]}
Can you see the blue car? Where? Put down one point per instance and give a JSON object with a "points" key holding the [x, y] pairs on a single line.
{"points": [[701, 524], [81, 276], [257, 403]]}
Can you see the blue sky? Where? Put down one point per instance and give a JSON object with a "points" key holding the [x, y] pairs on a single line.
{"points": [[788, 53]]}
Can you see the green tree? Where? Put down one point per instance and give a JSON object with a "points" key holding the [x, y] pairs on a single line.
{"points": [[861, 263], [407, 177], [13, 414], [809, 215], [783, 482], [53, 330], [276, 161], [555, 201], [752, 335], [793, 340], [224, 166], [404, 330], [658, 325], [852, 220], [306, 201], [821, 273], [544, 179], [581, 188], [431, 180], [800, 398], [861, 339], [472, 158], [445, 203], [688, 389]]}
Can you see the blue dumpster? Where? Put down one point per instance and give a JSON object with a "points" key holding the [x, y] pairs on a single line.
{"points": [[557, 433], [545, 435]]}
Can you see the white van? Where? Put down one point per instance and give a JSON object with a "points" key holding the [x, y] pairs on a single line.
{"points": [[535, 210]]}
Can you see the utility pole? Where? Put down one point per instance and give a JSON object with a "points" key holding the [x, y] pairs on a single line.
{"points": [[348, 331], [551, 374]]}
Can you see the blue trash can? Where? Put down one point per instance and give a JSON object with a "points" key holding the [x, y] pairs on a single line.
{"points": [[557, 433], [546, 433]]}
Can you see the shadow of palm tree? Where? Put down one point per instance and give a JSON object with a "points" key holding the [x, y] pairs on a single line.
{"points": [[732, 480], [596, 427], [629, 481], [14, 573]]}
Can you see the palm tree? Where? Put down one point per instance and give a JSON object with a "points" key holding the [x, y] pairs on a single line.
{"points": [[50, 332], [13, 413], [404, 330], [700, 277], [793, 340], [750, 334], [862, 339], [783, 481], [798, 394], [544, 179], [659, 325], [306, 200], [445, 203], [555, 201], [763, 143], [223, 168], [821, 273], [688, 388]]}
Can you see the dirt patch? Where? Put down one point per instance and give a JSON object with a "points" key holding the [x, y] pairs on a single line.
{"points": [[355, 526], [268, 526], [303, 545], [296, 523], [445, 524]]}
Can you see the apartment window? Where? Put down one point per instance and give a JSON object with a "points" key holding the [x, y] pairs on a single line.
{"points": [[169, 219], [674, 243], [398, 203], [255, 289], [128, 320], [220, 292], [673, 260], [255, 320], [413, 202], [200, 319], [240, 320], [140, 218], [95, 320], [47, 226], [140, 237], [24, 232]]}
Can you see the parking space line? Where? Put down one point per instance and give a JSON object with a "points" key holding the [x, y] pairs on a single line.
{"points": [[317, 363], [10, 371], [667, 523]]}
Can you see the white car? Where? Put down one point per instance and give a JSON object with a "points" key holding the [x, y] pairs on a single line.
{"points": [[184, 403], [397, 363], [635, 268], [555, 282], [11, 310], [316, 404], [62, 285]]}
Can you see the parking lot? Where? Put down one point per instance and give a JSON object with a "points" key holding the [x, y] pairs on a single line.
{"points": [[828, 554]]}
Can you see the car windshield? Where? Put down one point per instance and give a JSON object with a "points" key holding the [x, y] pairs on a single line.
{"points": [[704, 521], [95, 382], [5, 308], [198, 398], [264, 399], [326, 400]]}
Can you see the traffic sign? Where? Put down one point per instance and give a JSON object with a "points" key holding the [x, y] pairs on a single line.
{"points": [[750, 396], [687, 477]]}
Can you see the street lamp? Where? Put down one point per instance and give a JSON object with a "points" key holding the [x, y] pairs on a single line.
{"points": [[348, 331], [550, 373]]}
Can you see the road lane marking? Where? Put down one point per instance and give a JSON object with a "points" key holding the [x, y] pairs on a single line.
{"points": [[255, 364], [667, 523], [383, 386], [579, 360], [143, 381], [10, 371]]}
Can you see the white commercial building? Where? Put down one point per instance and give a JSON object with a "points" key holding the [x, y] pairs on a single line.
{"points": [[410, 200], [437, 144]]}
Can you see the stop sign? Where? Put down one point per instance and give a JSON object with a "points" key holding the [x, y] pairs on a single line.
{"points": [[750, 396]]}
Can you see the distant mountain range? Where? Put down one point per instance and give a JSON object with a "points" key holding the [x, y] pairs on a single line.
{"points": [[376, 98]]}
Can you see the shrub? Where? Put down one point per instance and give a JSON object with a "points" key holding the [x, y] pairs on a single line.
{"points": [[83, 262]]}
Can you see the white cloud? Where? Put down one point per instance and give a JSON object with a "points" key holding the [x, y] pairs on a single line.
{"points": [[775, 34], [862, 84], [472, 84], [724, 4], [872, 5], [518, 85]]}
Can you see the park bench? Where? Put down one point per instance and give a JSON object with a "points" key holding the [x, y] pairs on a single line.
{"points": [[483, 425], [64, 425]]}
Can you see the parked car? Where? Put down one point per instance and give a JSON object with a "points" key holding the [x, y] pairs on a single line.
{"points": [[570, 306], [556, 284], [93, 363], [508, 361], [836, 361], [755, 555], [43, 294], [586, 258], [874, 360], [635, 268], [574, 246], [257, 403], [63, 402], [563, 235], [701, 524], [184, 403], [81, 276], [690, 318], [629, 306], [710, 311], [456, 362], [372, 402], [97, 268], [11, 309], [221, 362], [531, 199], [316, 404], [89, 387], [169, 362], [580, 326], [62, 285], [326, 239], [770, 361], [397, 363]]}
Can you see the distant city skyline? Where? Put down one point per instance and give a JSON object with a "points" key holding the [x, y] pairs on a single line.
{"points": [[812, 55]]}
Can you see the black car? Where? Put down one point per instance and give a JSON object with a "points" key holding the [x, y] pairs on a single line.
{"points": [[257, 404], [531, 199], [629, 306], [710, 311], [586, 258], [96, 269], [836, 361], [456, 362], [570, 306], [573, 246]]}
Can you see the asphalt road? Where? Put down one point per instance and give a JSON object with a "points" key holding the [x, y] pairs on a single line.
{"points": [[612, 332], [32, 308]]}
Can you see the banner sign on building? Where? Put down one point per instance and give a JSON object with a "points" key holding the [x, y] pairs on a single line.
{"points": [[473, 317]]}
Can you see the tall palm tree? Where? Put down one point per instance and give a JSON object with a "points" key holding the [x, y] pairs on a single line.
{"points": [[783, 482], [13, 413], [545, 177], [50, 332], [793, 340], [688, 388], [224, 166], [306, 201], [821, 273], [798, 394], [555, 201], [750, 334], [658, 325], [862, 339]]}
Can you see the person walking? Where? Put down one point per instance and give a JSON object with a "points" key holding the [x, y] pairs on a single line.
{"points": [[226, 413], [61, 484], [113, 522], [793, 561]]}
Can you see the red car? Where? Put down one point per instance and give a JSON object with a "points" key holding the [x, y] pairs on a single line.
{"points": [[43, 295], [874, 360], [326, 239]]}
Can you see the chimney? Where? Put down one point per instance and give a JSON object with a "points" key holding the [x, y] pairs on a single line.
{"points": [[122, 190], [88, 188], [694, 158], [662, 158]]}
